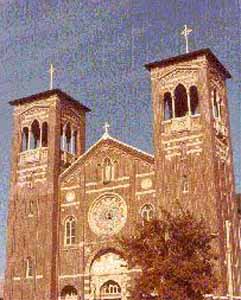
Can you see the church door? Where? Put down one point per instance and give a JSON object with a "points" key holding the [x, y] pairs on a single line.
{"points": [[110, 291]]}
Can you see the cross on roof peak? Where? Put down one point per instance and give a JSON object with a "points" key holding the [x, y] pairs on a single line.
{"points": [[186, 31], [106, 130], [51, 71]]}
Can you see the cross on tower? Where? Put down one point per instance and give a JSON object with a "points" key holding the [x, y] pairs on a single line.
{"points": [[51, 71], [186, 31], [106, 128]]}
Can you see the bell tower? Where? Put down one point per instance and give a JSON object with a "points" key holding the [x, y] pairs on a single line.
{"points": [[48, 135], [193, 154]]}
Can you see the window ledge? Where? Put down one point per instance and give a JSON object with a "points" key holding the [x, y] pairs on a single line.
{"points": [[32, 150], [195, 116], [70, 247]]}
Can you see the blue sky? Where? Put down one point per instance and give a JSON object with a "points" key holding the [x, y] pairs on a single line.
{"points": [[99, 49]]}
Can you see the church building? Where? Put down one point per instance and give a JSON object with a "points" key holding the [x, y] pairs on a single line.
{"points": [[67, 204]]}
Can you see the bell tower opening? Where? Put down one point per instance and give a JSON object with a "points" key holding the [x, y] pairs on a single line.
{"points": [[192, 144], [37, 162], [181, 105]]}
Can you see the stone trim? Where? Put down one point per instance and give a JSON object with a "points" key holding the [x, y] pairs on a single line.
{"points": [[108, 188]]}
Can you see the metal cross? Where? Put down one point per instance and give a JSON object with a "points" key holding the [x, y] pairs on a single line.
{"points": [[51, 71], [186, 31], [106, 128]]}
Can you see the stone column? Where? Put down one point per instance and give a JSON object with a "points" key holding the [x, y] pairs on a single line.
{"points": [[173, 105], [189, 102], [41, 135], [72, 141], [29, 137], [63, 138]]}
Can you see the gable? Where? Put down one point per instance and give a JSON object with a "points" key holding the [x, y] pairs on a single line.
{"points": [[119, 153]]}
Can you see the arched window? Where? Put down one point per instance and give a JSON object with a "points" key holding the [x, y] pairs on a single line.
{"points": [[220, 112], [61, 138], [31, 208], [45, 134], [194, 101], [35, 135], [110, 288], [115, 170], [108, 171], [70, 231], [181, 105], [147, 212], [168, 114], [25, 137], [184, 184], [215, 104], [68, 138], [69, 293], [74, 149], [29, 267]]}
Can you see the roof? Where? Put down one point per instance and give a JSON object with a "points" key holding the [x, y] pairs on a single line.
{"points": [[106, 138], [187, 56], [48, 93]]}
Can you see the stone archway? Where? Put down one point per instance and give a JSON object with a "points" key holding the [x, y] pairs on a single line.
{"points": [[110, 290], [69, 293], [108, 277]]}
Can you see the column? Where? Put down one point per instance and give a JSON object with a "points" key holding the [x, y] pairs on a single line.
{"points": [[63, 138], [41, 135], [72, 141], [173, 105], [189, 102], [29, 137]]}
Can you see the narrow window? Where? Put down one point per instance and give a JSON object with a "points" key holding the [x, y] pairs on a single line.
{"points": [[45, 134], [167, 106], [194, 101], [68, 138], [220, 112], [215, 104], [25, 137], [61, 138], [181, 106], [29, 267], [70, 231], [184, 184], [115, 170], [74, 149], [31, 207], [35, 135], [108, 170], [147, 212]]}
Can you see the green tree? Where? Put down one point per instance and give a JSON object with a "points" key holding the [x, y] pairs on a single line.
{"points": [[175, 256]]}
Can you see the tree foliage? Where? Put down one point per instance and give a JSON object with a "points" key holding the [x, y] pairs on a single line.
{"points": [[175, 256]]}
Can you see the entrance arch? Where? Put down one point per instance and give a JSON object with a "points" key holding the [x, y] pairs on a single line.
{"points": [[108, 277], [110, 290], [69, 293]]}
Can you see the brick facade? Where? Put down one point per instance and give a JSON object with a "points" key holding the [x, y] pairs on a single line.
{"points": [[67, 205]]}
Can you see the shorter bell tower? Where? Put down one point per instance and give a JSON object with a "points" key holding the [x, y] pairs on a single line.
{"points": [[193, 153], [48, 135]]}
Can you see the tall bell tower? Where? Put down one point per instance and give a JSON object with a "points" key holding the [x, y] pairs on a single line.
{"points": [[48, 135], [193, 153]]}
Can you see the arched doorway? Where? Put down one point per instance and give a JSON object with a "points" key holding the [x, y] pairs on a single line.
{"points": [[109, 277], [69, 293], [110, 290]]}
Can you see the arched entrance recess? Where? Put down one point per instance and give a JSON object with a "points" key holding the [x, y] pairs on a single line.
{"points": [[69, 293], [109, 277]]}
